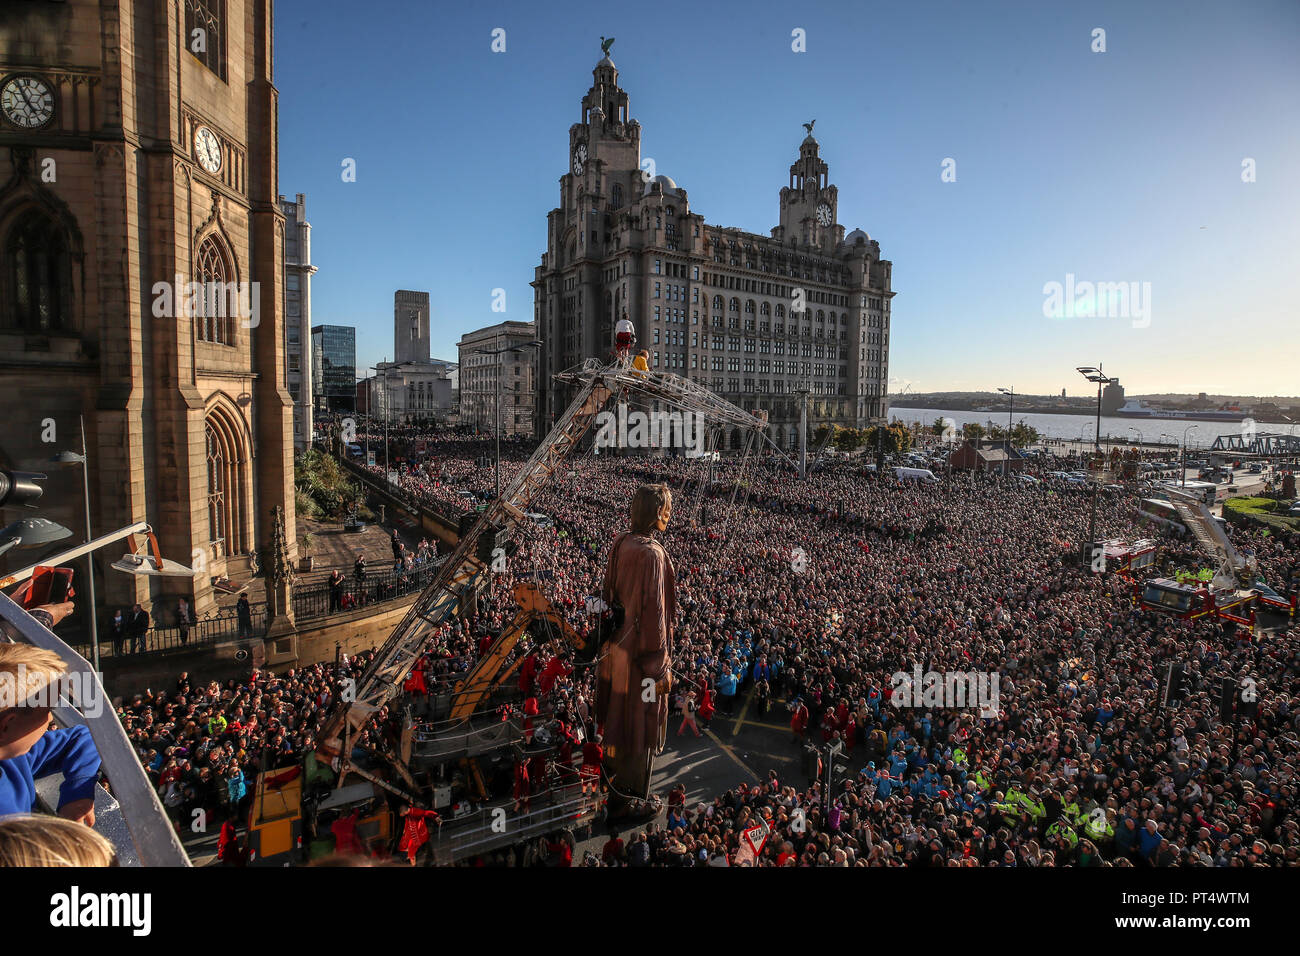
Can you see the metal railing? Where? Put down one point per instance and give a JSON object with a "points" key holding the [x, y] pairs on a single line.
{"points": [[210, 631], [317, 600]]}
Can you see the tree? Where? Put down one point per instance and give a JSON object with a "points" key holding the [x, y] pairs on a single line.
{"points": [[973, 430], [938, 427]]}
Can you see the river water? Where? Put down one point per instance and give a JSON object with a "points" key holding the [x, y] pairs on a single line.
{"points": [[1070, 427]]}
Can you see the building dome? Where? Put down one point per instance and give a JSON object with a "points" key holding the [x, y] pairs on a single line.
{"points": [[855, 235], [665, 182], [809, 141], [606, 61]]}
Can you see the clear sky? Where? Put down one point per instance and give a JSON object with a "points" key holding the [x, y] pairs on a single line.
{"points": [[1122, 166]]}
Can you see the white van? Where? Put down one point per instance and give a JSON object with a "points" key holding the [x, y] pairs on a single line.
{"points": [[914, 474]]}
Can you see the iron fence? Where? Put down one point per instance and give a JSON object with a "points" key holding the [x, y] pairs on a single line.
{"points": [[213, 630], [319, 599]]}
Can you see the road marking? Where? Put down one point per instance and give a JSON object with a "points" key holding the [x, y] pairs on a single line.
{"points": [[741, 719], [730, 753]]}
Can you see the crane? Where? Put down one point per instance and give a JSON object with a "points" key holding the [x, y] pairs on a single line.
{"points": [[464, 571], [1234, 593]]}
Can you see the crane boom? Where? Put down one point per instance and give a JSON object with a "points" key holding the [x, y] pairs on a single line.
{"points": [[1211, 537]]}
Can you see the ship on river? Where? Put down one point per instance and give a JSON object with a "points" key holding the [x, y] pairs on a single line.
{"points": [[1136, 408]]}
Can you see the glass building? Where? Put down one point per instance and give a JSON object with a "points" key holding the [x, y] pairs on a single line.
{"points": [[334, 367]]}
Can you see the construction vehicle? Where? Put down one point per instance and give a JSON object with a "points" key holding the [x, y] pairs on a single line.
{"points": [[1232, 594], [465, 743], [289, 819]]}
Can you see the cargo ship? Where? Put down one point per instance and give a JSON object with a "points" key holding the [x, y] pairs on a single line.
{"points": [[1136, 408]]}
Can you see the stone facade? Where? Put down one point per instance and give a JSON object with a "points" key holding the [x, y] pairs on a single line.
{"points": [[755, 318], [515, 371], [157, 166]]}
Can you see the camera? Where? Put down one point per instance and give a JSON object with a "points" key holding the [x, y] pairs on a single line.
{"points": [[19, 487]]}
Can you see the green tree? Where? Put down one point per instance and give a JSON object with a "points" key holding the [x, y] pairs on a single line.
{"points": [[973, 430]]}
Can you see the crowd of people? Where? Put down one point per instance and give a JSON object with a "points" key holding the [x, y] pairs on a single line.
{"points": [[808, 596], [811, 594]]}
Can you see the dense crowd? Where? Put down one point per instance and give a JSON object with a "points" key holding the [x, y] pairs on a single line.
{"points": [[808, 596]]}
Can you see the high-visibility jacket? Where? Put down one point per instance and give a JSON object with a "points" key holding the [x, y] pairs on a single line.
{"points": [[1061, 829], [1072, 814], [1098, 827]]}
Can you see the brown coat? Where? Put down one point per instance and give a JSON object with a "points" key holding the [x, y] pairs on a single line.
{"points": [[640, 574]]}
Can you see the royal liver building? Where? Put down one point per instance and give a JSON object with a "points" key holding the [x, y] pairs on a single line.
{"points": [[758, 319]]}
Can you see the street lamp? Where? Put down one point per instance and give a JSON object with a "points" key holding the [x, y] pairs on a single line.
{"points": [[1185, 431], [499, 376], [1006, 462], [31, 533], [1100, 378], [1134, 428], [72, 458]]}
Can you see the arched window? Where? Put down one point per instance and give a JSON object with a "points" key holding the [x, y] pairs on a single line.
{"points": [[749, 306], [765, 309], [227, 488], [780, 312], [717, 302], [734, 305], [213, 312], [37, 275]]}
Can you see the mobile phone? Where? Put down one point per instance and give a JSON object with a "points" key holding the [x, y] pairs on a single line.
{"points": [[46, 586]]}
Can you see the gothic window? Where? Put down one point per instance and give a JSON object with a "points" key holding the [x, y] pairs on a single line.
{"points": [[617, 201], [37, 275], [205, 33], [213, 312], [216, 457]]}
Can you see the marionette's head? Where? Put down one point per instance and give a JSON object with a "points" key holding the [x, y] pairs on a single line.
{"points": [[652, 507]]}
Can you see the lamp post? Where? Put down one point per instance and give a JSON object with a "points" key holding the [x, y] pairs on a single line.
{"points": [[1100, 378], [1134, 428], [499, 376], [72, 458], [1185, 431], [1011, 392]]}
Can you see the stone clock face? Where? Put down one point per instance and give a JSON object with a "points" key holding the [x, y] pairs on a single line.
{"points": [[207, 149], [824, 214], [27, 101], [579, 158]]}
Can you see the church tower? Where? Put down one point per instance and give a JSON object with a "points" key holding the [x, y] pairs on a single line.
{"points": [[143, 283]]}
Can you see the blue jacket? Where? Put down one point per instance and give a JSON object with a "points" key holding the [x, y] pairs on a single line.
{"points": [[1148, 842], [727, 685], [69, 751]]}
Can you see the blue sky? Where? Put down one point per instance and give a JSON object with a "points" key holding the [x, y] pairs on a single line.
{"points": [[1122, 166]]}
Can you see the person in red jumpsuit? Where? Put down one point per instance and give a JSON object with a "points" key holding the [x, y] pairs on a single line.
{"points": [[522, 788], [592, 756], [798, 719], [345, 834], [555, 668], [415, 832]]}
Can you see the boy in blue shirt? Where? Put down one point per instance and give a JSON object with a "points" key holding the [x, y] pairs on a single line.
{"points": [[29, 749]]}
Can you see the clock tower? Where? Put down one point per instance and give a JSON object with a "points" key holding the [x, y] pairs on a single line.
{"points": [[604, 149], [808, 203]]}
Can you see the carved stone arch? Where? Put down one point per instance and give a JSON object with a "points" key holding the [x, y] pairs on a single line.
{"points": [[228, 472], [24, 202]]}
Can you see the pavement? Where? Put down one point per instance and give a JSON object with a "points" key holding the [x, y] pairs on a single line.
{"points": [[332, 548], [735, 749]]}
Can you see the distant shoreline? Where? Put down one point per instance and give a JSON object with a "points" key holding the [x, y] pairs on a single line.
{"points": [[906, 401]]}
